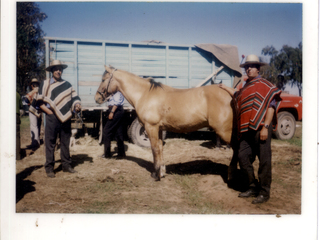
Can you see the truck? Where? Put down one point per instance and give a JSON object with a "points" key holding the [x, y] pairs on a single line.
{"points": [[179, 66]]}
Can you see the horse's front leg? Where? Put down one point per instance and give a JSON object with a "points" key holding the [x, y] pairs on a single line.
{"points": [[153, 134], [162, 166]]}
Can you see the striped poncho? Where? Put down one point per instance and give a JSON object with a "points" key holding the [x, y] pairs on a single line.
{"points": [[61, 97], [253, 101]]}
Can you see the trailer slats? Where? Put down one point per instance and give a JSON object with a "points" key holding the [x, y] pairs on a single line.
{"points": [[179, 66]]}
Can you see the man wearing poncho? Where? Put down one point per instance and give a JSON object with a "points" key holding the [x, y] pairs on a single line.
{"points": [[257, 105], [57, 99]]}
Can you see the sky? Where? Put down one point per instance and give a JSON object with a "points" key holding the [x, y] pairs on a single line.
{"points": [[249, 26]]}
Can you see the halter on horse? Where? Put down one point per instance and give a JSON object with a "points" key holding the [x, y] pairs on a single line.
{"points": [[104, 91]]}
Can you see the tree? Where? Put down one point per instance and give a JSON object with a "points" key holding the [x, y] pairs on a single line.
{"points": [[285, 66], [30, 44]]}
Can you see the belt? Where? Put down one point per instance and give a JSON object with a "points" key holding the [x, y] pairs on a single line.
{"points": [[118, 108]]}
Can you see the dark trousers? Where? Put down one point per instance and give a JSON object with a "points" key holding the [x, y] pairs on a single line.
{"points": [[250, 147], [114, 127], [52, 128]]}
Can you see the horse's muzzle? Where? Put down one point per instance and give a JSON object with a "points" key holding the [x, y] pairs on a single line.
{"points": [[99, 98]]}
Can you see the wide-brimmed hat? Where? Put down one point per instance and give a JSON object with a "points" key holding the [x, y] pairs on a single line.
{"points": [[56, 63], [252, 59], [34, 80]]}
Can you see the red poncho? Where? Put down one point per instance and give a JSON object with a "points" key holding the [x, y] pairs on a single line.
{"points": [[253, 101]]}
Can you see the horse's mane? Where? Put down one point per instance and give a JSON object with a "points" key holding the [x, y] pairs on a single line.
{"points": [[154, 84]]}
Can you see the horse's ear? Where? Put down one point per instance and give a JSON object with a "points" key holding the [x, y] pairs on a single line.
{"points": [[107, 68]]}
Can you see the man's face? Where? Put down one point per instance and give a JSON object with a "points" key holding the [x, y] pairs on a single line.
{"points": [[34, 85], [57, 72], [252, 70]]}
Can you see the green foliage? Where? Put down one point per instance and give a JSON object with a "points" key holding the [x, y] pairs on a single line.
{"points": [[30, 44], [285, 66], [293, 141]]}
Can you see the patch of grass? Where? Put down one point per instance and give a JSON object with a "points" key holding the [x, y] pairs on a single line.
{"points": [[295, 141], [103, 207], [291, 164], [210, 208], [288, 186], [106, 187], [195, 199], [295, 161], [297, 138], [25, 123]]}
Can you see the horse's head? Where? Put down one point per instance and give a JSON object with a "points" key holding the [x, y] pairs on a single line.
{"points": [[107, 86]]}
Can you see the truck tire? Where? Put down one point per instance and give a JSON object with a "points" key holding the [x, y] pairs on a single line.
{"points": [[286, 126], [138, 135]]}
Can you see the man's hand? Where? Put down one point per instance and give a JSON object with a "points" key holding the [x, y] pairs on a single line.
{"points": [[267, 121], [77, 107], [44, 108], [113, 109], [263, 134]]}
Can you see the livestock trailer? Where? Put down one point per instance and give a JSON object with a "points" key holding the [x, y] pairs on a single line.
{"points": [[179, 66]]}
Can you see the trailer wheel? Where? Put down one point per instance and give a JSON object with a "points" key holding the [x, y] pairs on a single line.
{"points": [[138, 135], [286, 126]]}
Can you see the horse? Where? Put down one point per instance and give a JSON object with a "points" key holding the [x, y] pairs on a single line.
{"points": [[162, 108]]}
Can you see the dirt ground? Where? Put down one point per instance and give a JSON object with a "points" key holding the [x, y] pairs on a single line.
{"points": [[195, 183]]}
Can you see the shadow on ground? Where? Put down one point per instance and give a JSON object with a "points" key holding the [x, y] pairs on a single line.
{"points": [[25, 186], [203, 167], [76, 160]]}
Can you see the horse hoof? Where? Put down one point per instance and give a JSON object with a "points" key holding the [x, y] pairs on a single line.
{"points": [[155, 176], [163, 171]]}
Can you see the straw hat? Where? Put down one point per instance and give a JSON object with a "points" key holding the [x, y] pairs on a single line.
{"points": [[252, 59], [34, 80], [55, 63]]}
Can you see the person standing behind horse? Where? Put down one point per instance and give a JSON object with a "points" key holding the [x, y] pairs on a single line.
{"points": [[57, 99], [35, 120], [257, 104], [114, 126]]}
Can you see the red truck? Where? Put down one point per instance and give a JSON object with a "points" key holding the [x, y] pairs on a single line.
{"points": [[290, 111]]}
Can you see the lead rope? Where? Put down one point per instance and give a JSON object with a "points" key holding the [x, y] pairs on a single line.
{"points": [[78, 120]]}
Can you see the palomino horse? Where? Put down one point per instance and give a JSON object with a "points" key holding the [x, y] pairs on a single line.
{"points": [[160, 107]]}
